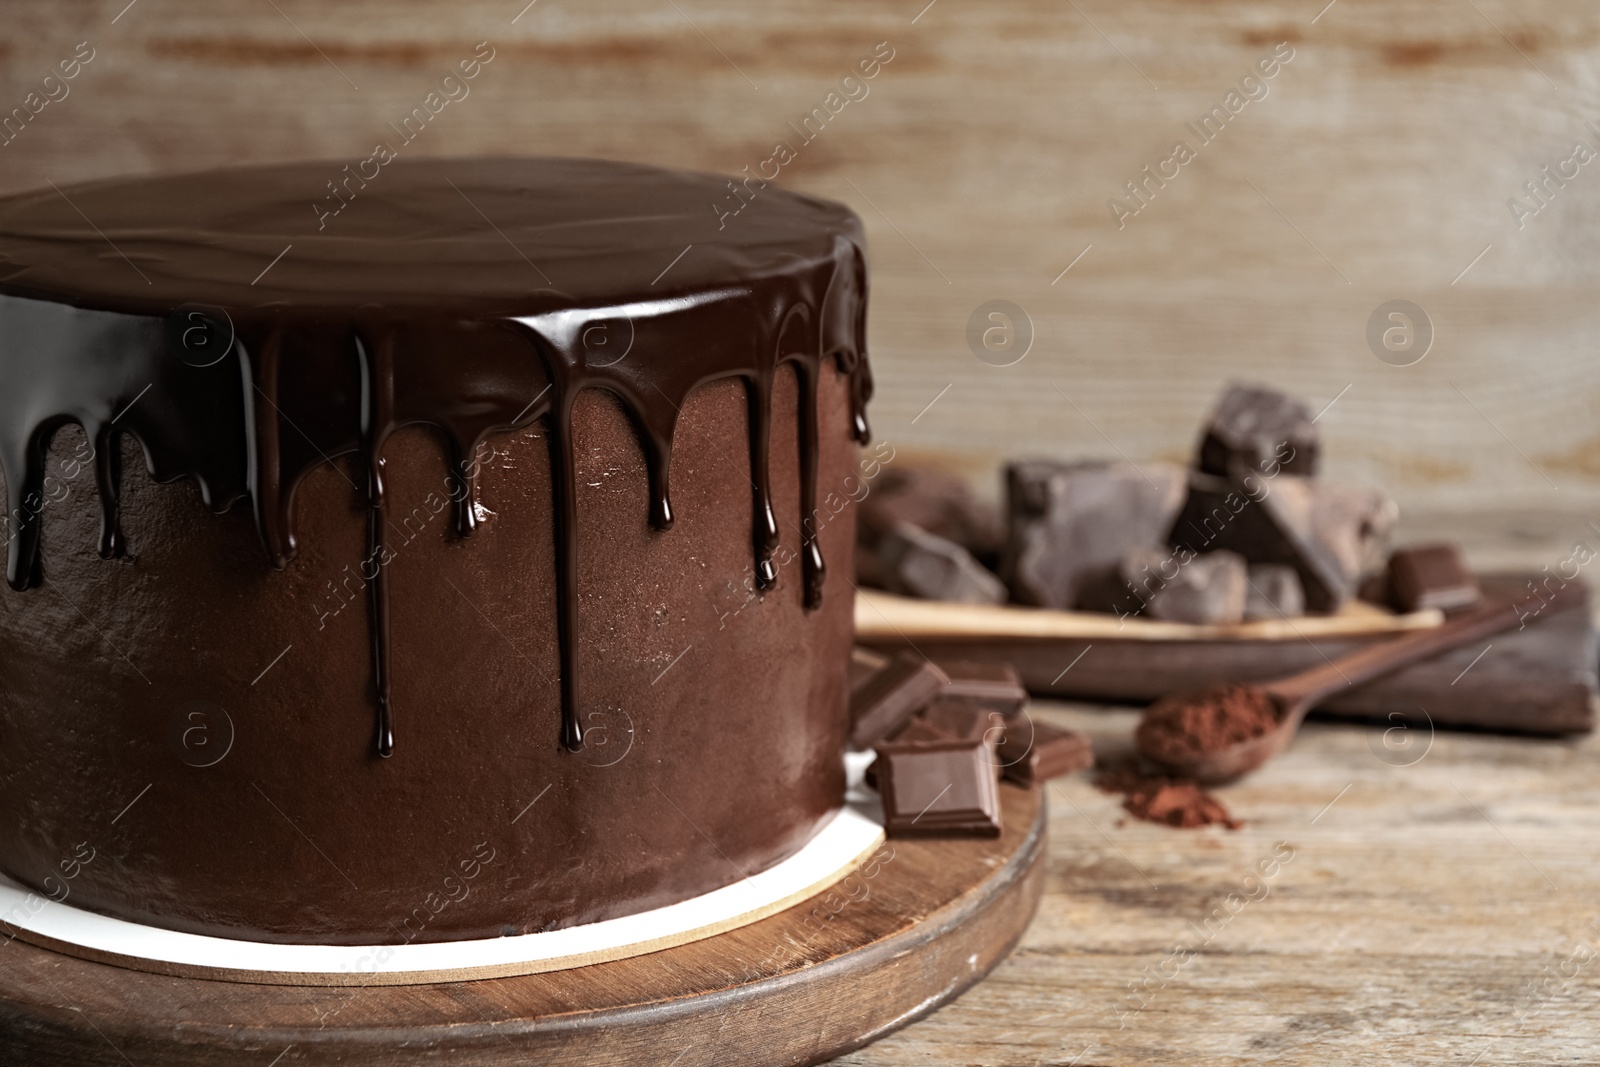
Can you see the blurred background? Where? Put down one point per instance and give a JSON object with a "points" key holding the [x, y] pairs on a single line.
{"points": [[1384, 159]]}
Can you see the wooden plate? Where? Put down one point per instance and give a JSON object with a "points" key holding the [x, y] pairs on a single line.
{"points": [[913, 928], [1540, 679], [848, 840]]}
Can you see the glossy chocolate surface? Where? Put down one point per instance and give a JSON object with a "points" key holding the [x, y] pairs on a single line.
{"points": [[253, 344], [379, 322]]}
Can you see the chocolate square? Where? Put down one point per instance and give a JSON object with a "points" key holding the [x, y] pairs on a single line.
{"points": [[947, 720], [939, 788], [920, 730], [962, 719], [1044, 752], [1431, 576], [994, 685], [864, 664], [887, 699]]}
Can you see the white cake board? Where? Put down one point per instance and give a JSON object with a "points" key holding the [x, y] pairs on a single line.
{"points": [[853, 834]]}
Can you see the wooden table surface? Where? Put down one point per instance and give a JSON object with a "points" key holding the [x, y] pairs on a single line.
{"points": [[1441, 904]]}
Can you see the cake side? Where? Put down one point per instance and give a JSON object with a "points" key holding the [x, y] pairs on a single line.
{"points": [[716, 714]]}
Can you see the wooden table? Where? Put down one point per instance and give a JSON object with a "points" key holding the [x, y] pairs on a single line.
{"points": [[1447, 911]]}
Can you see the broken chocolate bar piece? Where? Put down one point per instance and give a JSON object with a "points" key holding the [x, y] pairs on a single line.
{"points": [[920, 729], [1069, 523], [886, 700], [934, 500], [1431, 576], [992, 685], [1326, 533], [938, 788], [1043, 752], [1354, 523], [1374, 588], [1259, 429], [913, 562], [916, 732], [1157, 583], [1208, 590], [864, 663], [946, 720], [958, 719], [1275, 592]]}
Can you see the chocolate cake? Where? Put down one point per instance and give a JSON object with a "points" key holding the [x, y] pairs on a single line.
{"points": [[479, 526]]}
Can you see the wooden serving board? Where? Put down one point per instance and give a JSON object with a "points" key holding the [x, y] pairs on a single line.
{"points": [[1538, 680], [913, 928], [840, 849]]}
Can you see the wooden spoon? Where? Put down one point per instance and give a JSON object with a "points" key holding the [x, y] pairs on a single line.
{"points": [[1297, 694]]}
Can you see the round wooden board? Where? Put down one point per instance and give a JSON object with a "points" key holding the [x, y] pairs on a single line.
{"points": [[913, 928]]}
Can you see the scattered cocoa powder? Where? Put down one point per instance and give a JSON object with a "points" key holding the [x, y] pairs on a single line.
{"points": [[1187, 726], [1172, 802]]}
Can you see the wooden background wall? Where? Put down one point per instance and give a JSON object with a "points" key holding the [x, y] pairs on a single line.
{"points": [[1378, 167]]}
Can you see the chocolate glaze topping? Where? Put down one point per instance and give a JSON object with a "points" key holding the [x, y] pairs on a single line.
{"points": [[472, 296]]}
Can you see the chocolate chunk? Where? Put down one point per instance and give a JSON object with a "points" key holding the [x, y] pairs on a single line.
{"points": [[939, 788], [916, 732], [890, 697], [920, 730], [1208, 590], [864, 663], [1035, 751], [1431, 576], [1374, 588], [947, 720], [935, 500], [1353, 522], [992, 685], [1274, 592], [1259, 429], [959, 719], [1325, 532], [1069, 523], [1162, 584], [914, 562]]}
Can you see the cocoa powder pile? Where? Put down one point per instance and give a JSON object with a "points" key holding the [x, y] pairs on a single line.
{"points": [[1187, 726], [1172, 802]]}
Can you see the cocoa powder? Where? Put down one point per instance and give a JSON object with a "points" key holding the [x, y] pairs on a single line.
{"points": [[1187, 726], [1172, 802]]}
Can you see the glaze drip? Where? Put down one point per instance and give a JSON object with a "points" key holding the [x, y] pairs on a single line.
{"points": [[377, 421], [337, 354], [765, 533]]}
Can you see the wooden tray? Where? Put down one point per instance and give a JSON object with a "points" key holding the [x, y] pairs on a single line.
{"points": [[849, 840], [1538, 680], [912, 929]]}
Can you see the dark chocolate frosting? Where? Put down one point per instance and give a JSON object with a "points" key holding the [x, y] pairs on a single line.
{"points": [[245, 332]]}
